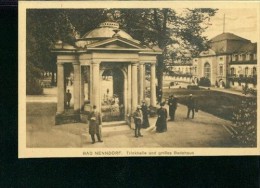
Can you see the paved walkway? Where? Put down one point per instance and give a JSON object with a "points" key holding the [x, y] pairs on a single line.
{"points": [[205, 130]]}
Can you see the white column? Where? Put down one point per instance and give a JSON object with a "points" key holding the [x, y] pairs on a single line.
{"points": [[76, 86], [152, 86], [88, 79], [144, 83], [125, 94], [60, 87], [90, 85], [82, 87], [96, 85], [129, 89], [134, 87], [141, 83]]}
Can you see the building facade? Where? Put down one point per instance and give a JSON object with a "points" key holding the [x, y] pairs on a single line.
{"points": [[231, 61]]}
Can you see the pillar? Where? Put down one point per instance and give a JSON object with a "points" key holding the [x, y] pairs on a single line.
{"points": [[125, 94], [82, 88], [129, 89], [76, 86], [152, 86], [88, 77], [134, 87], [141, 83], [144, 81], [60, 87], [90, 85], [96, 85]]}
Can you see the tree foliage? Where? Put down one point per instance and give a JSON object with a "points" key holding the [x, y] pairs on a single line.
{"points": [[179, 33], [245, 121]]}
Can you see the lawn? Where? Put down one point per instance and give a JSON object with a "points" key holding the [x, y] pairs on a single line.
{"points": [[214, 102]]}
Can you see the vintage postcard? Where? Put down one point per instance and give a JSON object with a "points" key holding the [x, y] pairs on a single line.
{"points": [[138, 78]]}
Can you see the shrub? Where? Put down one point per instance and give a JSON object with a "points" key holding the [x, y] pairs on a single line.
{"points": [[33, 75], [33, 87], [194, 87], [204, 82], [244, 121]]}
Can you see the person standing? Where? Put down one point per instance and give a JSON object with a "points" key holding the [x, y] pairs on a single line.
{"points": [[161, 123], [172, 107], [145, 112], [138, 120], [68, 98], [191, 106], [95, 125]]}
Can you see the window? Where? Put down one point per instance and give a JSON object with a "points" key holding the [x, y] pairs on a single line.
{"points": [[195, 70], [239, 70], [221, 58], [251, 56], [243, 57], [207, 70], [221, 69], [232, 71], [246, 71], [235, 58], [254, 71]]}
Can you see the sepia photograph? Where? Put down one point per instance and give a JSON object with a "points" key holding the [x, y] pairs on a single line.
{"points": [[122, 79]]}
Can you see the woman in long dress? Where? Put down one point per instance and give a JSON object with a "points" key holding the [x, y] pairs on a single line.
{"points": [[161, 123]]}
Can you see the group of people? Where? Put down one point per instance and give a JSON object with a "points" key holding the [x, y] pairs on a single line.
{"points": [[141, 119], [141, 114]]}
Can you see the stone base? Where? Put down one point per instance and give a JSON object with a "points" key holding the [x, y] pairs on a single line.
{"points": [[68, 116]]}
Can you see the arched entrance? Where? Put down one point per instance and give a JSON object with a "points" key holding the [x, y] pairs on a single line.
{"points": [[98, 51], [113, 95]]}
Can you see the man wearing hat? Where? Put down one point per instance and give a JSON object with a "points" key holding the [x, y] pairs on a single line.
{"points": [[191, 106], [172, 102], [138, 119], [95, 125]]}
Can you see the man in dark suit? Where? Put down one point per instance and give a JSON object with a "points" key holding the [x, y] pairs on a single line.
{"points": [[68, 98], [138, 119], [172, 102], [95, 125], [191, 106]]}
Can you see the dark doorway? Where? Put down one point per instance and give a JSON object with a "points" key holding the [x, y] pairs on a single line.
{"points": [[112, 107]]}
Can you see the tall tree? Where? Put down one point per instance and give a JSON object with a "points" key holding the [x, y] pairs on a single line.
{"points": [[179, 33]]}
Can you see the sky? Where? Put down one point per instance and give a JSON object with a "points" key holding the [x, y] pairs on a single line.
{"points": [[241, 22]]}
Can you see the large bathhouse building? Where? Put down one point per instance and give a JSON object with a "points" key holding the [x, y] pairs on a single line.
{"points": [[231, 61]]}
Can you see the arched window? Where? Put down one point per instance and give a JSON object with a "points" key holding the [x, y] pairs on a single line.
{"points": [[254, 71], [240, 70], [207, 70], [246, 71], [221, 70]]}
